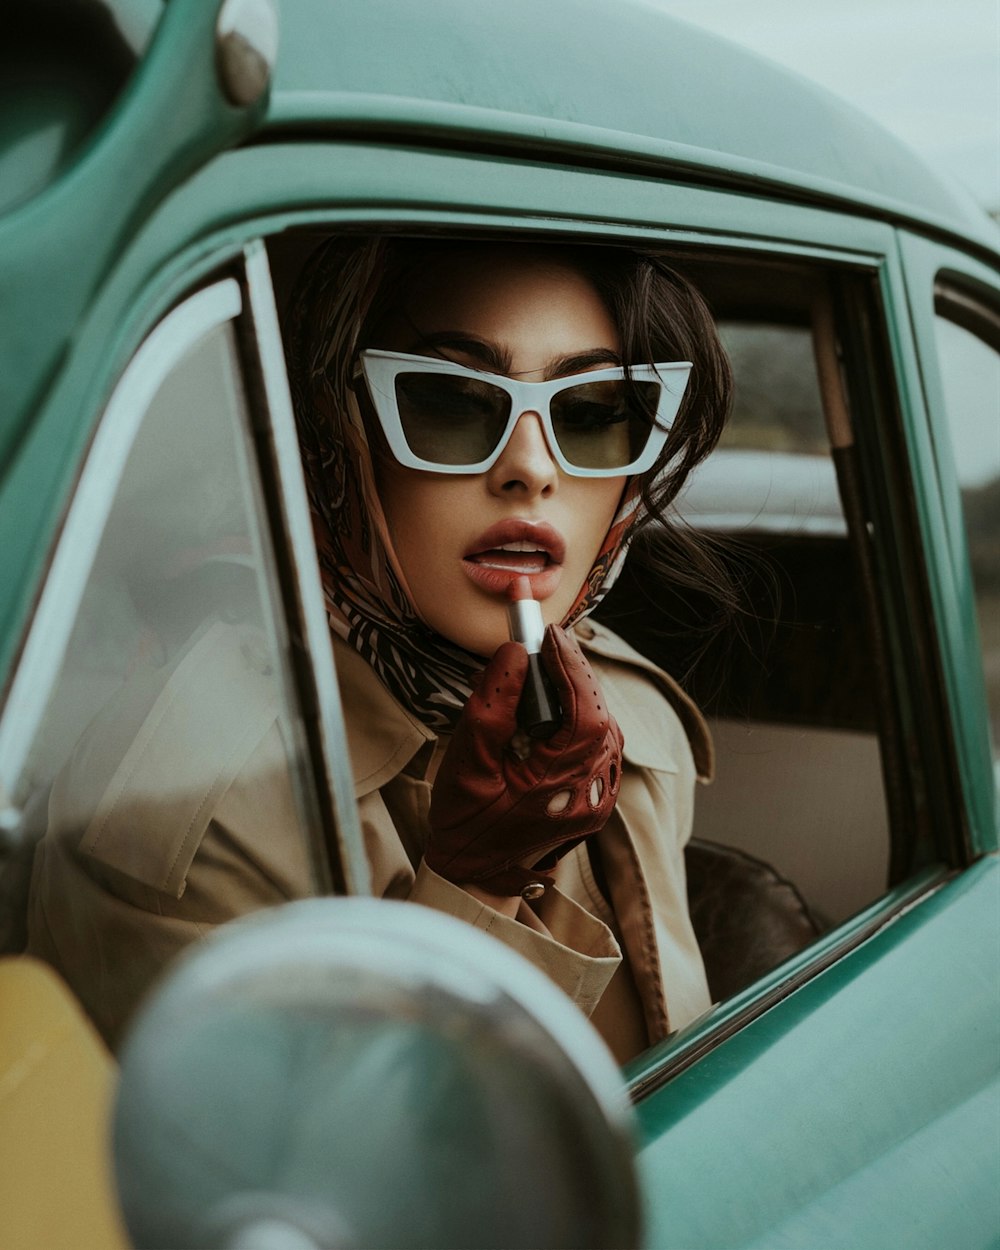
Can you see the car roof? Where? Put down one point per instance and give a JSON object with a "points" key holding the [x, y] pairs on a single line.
{"points": [[581, 81], [621, 81]]}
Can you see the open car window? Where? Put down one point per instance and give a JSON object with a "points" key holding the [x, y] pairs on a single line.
{"points": [[810, 818], [821, 805]]}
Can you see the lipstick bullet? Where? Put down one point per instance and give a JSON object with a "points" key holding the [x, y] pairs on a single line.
{"points": [[538, 711]]}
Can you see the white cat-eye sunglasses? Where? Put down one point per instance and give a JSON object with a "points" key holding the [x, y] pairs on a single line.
{"points": [[445, 418]]}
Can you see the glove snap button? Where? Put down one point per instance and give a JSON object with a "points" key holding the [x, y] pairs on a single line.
{"points": [[534, 889]]}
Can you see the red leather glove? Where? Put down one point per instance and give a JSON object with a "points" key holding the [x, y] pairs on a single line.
{"points": [[501, 822]]}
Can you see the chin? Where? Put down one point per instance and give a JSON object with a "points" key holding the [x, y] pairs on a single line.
{"points": [[481, 637]]}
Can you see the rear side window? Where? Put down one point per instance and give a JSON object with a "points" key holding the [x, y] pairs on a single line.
{"points": [[968, 340]]}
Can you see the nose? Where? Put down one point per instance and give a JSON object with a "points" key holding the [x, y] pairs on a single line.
{"points": [[525, 465]]}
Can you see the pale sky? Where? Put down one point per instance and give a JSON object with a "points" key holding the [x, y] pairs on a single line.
{"points": [[928, 70]]}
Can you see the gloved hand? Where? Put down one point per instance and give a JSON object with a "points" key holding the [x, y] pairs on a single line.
{"points": [[502, 822]]}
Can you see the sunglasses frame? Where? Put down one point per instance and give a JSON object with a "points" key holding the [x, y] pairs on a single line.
{"points": [[380, 369]]}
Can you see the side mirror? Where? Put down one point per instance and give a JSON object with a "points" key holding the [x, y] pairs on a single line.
{"points": [[353, 1073]]}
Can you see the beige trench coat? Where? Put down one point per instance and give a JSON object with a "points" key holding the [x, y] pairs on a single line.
{"points": [[176, 813]]}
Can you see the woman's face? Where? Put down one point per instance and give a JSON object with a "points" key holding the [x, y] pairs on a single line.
{"points": [[460, 539]]}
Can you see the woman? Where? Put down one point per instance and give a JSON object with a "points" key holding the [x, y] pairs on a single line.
{"points": [[437, 486], [539, 461]]}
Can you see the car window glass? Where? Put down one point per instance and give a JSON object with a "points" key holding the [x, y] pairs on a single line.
{"points": [[165, 780], [777, 405], [970, 372], [772, 469]]}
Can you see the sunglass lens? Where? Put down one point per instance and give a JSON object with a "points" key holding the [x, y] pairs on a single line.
{"points": [[604, 425], [448, 419]]}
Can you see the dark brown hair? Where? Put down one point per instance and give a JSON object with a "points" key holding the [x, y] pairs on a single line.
{"points": [[353, 284]]}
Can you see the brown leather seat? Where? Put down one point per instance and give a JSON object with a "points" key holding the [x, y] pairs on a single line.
{"points": [[746, 916]]}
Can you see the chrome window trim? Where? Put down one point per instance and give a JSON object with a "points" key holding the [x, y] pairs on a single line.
{"points": [[86, 518], [655, 1068], [300, 554]]}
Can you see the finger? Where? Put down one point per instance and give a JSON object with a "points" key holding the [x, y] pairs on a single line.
{"points": [[490, 716], [580, 696]]}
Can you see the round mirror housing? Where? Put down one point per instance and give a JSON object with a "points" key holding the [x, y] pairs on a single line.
{"points": [[358, 1073], [246, 49]]}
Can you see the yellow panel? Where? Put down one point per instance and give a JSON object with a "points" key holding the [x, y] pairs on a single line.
{"points": [[56, 1089]]}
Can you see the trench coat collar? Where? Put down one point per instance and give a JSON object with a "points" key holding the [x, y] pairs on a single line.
{"points": [[598, 640], [382, 736]]}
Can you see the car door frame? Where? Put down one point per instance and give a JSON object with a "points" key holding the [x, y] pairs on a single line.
{"points": [[943, 525]]}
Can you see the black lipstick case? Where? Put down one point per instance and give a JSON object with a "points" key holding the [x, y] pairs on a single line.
{"points": [[538, 710]]}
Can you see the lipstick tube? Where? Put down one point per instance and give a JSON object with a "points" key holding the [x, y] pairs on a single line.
{"points": [[538, 710]]}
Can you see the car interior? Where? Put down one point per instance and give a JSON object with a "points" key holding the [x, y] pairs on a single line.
{"points": [[792, 837]]}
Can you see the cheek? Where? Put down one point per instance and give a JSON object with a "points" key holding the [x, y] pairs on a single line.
{"points": [[587, 511], [420, 511], [594, 506]]}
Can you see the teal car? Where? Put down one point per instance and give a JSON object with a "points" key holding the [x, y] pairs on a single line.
{"points": [[165, 171]]}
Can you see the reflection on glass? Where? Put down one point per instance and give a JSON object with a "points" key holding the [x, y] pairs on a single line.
{"points": [[773, 469], [777, 405], [164, 782]]}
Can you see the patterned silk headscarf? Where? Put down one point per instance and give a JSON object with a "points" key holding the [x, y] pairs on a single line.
{"points": [[367, 600]]}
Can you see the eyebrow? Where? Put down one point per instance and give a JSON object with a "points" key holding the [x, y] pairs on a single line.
{"points": [[577, 363], [495, 359], [489, 356]]}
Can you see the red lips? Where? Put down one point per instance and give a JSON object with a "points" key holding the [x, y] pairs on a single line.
{"points": [[538, 533], [516, 548]]}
